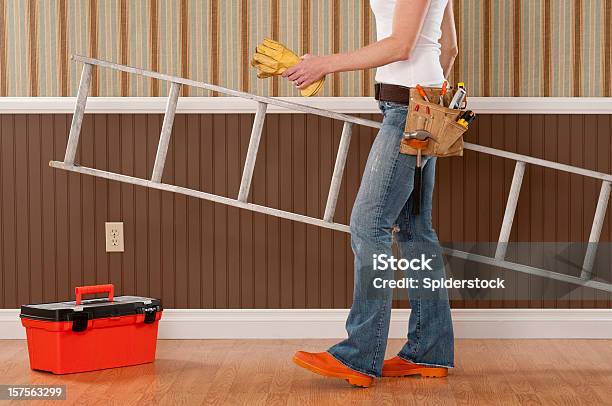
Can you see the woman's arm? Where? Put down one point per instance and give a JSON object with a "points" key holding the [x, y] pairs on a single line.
{"points": [[448, 41], [408, 18]]}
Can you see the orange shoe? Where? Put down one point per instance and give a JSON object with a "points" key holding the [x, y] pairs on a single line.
{"points": [[323, 363], [399, 367]]}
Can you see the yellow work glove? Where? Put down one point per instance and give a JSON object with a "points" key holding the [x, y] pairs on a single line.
{"points": [[264, 71], [273, 59]]}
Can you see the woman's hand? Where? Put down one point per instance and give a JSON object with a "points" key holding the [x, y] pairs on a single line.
{"points": [[308, 71]]}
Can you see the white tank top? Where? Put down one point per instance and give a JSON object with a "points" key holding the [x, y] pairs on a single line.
{"points": [[423, 67]]}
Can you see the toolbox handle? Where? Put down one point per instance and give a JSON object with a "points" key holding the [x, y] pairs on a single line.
{"points": [[89, 290]]}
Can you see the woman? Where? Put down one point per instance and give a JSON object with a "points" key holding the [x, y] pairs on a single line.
{"points": [[416, 45]]}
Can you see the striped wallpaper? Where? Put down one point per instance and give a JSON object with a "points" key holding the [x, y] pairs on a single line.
{"points": [[507, 47]]}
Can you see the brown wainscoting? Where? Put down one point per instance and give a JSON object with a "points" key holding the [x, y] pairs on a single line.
{"points": [[196, 254]]}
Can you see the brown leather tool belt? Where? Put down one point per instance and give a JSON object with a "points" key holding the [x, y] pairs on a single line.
{"points": [[392, 93]]}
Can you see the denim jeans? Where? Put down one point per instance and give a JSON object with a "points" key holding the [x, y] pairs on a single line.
{"points": [[384, 205]]}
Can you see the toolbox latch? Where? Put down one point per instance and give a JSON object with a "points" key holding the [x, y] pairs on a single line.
{"points": [[79, 321], [149, 313]]}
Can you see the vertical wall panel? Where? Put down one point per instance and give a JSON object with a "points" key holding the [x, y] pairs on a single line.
{"points": [[21, 180], [9, 264], [194, 260], [88, 199], [260, 237], [233, 160], [153, 197], [285, 203], [273, 264], [167, 213], [179, 267], [313, 168], [247, 279], [208, 214], [219, 224], [551, 184], [49, 215], [115, 212], [63, 288], [536, 200], [196, 254], [299, 206], [128, 212]]}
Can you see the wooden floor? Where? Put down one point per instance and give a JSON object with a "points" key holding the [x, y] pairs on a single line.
{"points": [[488, 372]]}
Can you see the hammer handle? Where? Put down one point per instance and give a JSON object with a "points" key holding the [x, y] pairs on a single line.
{"points": [[416, 201]]}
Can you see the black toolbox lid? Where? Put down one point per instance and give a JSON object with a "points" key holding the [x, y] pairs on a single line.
{"points": [[94, 308]]}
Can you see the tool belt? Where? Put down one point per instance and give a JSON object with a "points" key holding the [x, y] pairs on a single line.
{"points": [[439, 121]]}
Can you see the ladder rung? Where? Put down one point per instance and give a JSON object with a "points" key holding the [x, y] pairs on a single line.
{"points": [[166, 131], [77, 117], [598, 220], [249, 163], [336, 181], [506, 228]]}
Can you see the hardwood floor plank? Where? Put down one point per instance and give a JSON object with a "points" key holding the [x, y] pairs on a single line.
{"points": [[253, 372]]}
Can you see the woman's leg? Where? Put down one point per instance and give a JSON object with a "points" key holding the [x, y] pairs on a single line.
{"points": [[385, 188], [430, 329]]}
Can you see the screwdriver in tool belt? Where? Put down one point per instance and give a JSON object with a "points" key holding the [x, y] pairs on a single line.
{"points": [[443, 92], [421, 91]]}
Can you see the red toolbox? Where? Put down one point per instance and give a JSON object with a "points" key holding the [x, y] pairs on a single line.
{"points": [[92, 334]]}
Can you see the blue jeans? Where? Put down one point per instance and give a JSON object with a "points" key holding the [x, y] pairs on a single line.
{"points": [[384, 204]]}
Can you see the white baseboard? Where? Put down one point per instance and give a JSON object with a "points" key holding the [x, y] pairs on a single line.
{"points": [[329, 323]]}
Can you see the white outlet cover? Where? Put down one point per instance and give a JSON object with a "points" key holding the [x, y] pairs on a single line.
{"points": [[114, 236]]}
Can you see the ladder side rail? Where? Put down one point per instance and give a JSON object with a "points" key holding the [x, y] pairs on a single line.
{"points": [[538, 162], [321, 223], [79, 112], [506, 228], [249, 163], [230, 92], [166, 132], [598, 220], [200, 195], [514, 266], [337, 116], [336, 181]]}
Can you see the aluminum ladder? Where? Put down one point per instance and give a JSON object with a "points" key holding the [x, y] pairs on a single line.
{"points": [[241, 202]]}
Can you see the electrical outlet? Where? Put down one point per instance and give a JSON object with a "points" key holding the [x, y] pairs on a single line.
{"points": [[114, 237]]}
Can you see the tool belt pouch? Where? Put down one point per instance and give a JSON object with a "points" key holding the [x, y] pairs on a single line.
{"points": [[439, 121]]}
